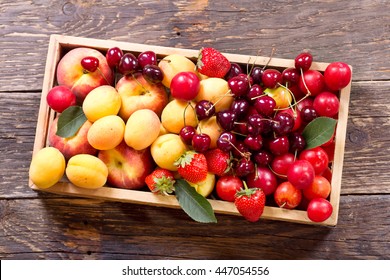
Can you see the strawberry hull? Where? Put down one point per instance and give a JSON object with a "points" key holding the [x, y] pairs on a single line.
{"points": [[60, 45]]}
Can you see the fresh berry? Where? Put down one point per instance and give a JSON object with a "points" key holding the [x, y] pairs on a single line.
{"points": [[218, 161], [337, 75], [114, 56], [250, 203], [192, 166], [90, 63], [201, 142], [212, 63], [160, 181], [303, 61]]}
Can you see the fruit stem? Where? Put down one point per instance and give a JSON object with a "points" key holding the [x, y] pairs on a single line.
{"points": [[141, 85], [270, 57], [304, 83], [221, 97], [104, 77]]}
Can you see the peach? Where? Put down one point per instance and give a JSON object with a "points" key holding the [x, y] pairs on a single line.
{"points": [[106, 133], [177, 114], [137, 93], [173, 64], [77, 144], [142, 128], [217, 91], [127, 167], [70, 73], [211, 127], [100, 102], [86, 171], [167, 149], [47, 167], [205, 187]]}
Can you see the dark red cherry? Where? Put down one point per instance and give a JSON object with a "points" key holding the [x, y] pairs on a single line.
{"points": [[90, 63]]}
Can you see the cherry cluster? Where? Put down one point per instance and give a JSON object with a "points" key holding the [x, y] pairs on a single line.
{"points": [[263, 131]]}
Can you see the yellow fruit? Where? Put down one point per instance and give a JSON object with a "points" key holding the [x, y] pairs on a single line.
{"points": [[47, 167], [100, 102], [173, 64], [211, 127], [106, 133], [281, 95], [142, 128], [86, 171], [206, 186], [174, 114], [217, 91], [166, 150]]}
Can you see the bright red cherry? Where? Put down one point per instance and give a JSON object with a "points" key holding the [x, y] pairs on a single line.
{"points": [[301, 174], [326, 104], [319, 210], [185, 86], [113, 56], [312, 81], [337, 75], [90, 63], [303, 61]]}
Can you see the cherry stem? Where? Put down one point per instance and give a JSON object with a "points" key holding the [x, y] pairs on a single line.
{"points": [[219, 99], [304, 83], [141, 85], [270, 57], [104, 77], [273, 171]]}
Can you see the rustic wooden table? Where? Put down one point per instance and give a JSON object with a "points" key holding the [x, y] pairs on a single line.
{"points": [[37, 225]]}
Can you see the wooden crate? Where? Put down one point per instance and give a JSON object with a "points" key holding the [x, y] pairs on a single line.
{"points": [[60, 44]]}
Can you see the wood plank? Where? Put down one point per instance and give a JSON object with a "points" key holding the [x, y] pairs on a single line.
{"points": [[90, 229], [328, 29]]}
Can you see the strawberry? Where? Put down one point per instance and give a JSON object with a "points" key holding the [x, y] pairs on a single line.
{"points": [[160, 181], [218, 161], [250, 203], [212, 63], [192, 166]]}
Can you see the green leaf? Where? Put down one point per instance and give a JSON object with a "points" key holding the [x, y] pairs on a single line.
{"points": [[319, 131], [195, 205], [70, 121]]}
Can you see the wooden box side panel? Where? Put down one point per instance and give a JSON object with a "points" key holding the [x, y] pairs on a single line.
{"points": [[59, 43]]}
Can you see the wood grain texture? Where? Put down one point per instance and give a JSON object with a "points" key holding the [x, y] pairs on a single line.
{"points": [[36, 225]]}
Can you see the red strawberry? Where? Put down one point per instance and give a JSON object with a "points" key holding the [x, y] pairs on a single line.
{"points": [[250, 203], [192, 166], [160, 181], [212, 63], [218, 161]]}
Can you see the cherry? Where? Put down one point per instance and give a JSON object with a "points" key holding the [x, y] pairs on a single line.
{"points": [[254, 143], [257, 124], [303, 61], [185, 86], [281, 164], [283, 123], [326, 104], [244, 167], [317, 157], [201, 142], [311, 82], [240, 107], [279, 145], [319, 188], [239, 85], [308, 101], [301, 174], [287, 196], [290, 76], [265, 105], [113, 56], [152, 73], [187, 133], [297, 142], [240, 150], [254, 92], [147, 58], [226, 119], [257, 74], [235, 70], [262, 178], [319, 210], [337, 75], [90, 63], [308, 114], [296, 116], [226, 141], [271, 78], [262, 158], [128, 64], [204, 109]]}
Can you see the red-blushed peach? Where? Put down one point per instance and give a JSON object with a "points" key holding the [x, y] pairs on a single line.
{"points": [[71, 73], [77, 144], [127, 167], [137, 93]]}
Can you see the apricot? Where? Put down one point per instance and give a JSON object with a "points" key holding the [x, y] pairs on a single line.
{"points": [[177, 114], [173, 64], [86, 171], [142, 128], [166, 149], [47, 167], [217, 91], [106, 133], [205, 187], [100, 102]]}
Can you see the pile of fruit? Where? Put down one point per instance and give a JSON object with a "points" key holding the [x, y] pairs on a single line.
{"points": [[195, 128]]}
